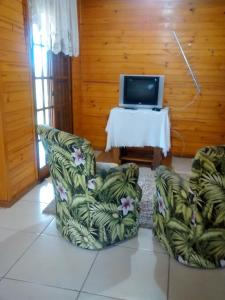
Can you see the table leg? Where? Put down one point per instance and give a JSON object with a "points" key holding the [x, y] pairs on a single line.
{"points": [[116, 155], [157, 157]]}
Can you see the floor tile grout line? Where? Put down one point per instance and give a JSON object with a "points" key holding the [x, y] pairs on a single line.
{"points": [[23, 253], [41, 284], [54, 235], [93, 294], [27, 231], [34, 201], [81, 290], [168, 280], [78, 295], [82, 286], [142, 249]]}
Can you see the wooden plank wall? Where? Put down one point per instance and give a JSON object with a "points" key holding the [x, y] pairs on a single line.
{"points": [[17, 147], [135, 37], [3, 181]]}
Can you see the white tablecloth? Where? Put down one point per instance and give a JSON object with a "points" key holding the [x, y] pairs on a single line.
{"points": [[138, 128]]}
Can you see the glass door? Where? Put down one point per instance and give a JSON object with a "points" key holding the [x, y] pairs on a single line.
{"points": [[52, 92], [43, 92]]}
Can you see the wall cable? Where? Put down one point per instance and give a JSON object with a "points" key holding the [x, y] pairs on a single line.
{"points": [[194, 78]]}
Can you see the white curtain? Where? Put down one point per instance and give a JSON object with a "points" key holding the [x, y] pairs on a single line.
{"points": [[57, 23]]}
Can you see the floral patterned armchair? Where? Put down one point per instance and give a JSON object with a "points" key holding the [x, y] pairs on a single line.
{"points": [[189, 216], [94, 209]]}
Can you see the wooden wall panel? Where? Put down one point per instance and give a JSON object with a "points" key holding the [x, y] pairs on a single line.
{"points": [[17, 144], [3, 168], [135, 37]]}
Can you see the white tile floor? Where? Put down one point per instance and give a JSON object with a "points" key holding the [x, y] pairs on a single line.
{"points": [[36, 263]]}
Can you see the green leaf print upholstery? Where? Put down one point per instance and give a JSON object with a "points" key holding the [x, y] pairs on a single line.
{"points": [[189, 216], [93, 210]]}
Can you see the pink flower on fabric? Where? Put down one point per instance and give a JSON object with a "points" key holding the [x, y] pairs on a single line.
{"points": [[162, 206], [181, 260], [78, 157], [191, 196], [126, 205], [222, 263], [62, 191], [91, 184], [193, 218]]}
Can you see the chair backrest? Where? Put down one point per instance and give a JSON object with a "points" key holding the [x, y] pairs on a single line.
{"points": [[207, 160], [207, 181], [71, 161]]}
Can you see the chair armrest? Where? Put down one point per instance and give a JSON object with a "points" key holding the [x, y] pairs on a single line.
{"points": [[130, 170], [171, 178], [174, 205], [171, 191], [119, 182], [103, 167], [207, 160]]}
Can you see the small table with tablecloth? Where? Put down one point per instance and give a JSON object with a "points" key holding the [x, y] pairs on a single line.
{"points": [[138, 128]]}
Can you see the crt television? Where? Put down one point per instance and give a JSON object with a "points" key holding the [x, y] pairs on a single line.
{"points": [[141, 91]]}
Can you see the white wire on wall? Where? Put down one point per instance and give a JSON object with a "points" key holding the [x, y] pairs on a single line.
{"points": [[195, 97], [194, 78]]}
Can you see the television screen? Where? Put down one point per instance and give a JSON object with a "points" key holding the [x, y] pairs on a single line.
{"points": [[141, 91]]}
